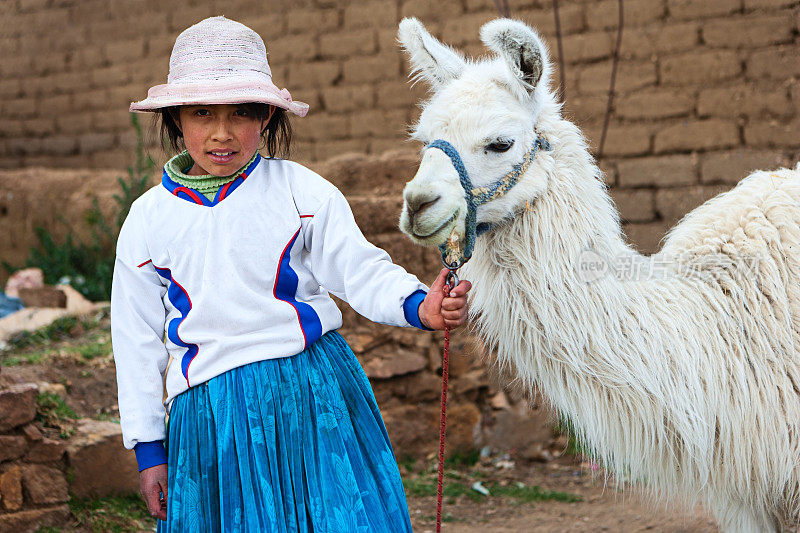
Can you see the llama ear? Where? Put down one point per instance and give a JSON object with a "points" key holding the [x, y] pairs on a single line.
{"points": [[519, 45], [430, 60]]}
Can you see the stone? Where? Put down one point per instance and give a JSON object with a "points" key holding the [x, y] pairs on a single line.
{"points": [[463, 426], [413, 429], [43, 297], [471, 381], [499, 401], [423, 386], [32, 433], [44, 484], [11, 447], [17, 405], [35, 520], [101, 466], [524, 431], [11, 488], [399, 363], [46, 451], [26, 278]]}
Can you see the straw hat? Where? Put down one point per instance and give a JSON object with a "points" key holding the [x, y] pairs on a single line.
{"points": [[218, 61]]}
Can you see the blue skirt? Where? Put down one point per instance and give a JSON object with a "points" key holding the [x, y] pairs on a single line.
{"points": [[289, 444]]}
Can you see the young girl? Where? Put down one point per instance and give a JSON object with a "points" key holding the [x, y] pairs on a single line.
{"points": [[226, 268]]}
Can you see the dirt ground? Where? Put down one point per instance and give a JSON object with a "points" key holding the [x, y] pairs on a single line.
{"points": [[562, 495]]}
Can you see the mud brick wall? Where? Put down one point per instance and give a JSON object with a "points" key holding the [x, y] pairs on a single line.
{"points": [[707, 90]]}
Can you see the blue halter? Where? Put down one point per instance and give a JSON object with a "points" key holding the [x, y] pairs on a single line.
{"points": [[476, 196]]}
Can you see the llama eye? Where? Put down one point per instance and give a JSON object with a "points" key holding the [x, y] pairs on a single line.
{"points": [[500, 146]]}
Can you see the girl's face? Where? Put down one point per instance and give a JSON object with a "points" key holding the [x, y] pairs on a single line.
{"points": [[221, 138]]}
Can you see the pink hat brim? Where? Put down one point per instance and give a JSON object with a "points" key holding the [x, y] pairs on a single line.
{"points": [[168, 95]]}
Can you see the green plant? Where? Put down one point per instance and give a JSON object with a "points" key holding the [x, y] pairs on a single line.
{"points": [[88, 266], [53, 412], [112, 513]]}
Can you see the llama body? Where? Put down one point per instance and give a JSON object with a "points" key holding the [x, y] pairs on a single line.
{"points": [[684, 378]]}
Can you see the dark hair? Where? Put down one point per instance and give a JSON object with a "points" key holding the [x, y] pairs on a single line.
{"points": [[276, 136]]}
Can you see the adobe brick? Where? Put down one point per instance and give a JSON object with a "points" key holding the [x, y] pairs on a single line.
{"points": [[116, 158], [116, 74], [731, 166], [605, 14], [94, 142], [24, 145], [480, 5], [21, 107], [387, 41], [623, 140], [15, 66], [460, 30], [55, 104], [795, 92], [773, 133], [87, 57], [654, 104], [645, 236], [635, 205], [29, 6], [73, 122], [433, 11], [399, 94], [367, 69], [672, 204], [379, 123], [631, 75], [767, 4], [743, 100], [690, 135], [587, 46], [370, 14], [181, 18], [699, 67], [90, 99], [657, 40], [392, 144], [778, 62], [11, 127], [124, 51], [376, 214], [319, 20], [271, 25], [657, 171], [749, 31], [291, 47], [60, 145], [585, 108], [571, 18], [692, 9], [112, 119], [49, 63], [347, 98], [68, 82], [10, 88], [348, 43], [323, 126], [40, 126]]}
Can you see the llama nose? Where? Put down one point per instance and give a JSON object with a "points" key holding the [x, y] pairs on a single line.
{"points": [[419, 202]]}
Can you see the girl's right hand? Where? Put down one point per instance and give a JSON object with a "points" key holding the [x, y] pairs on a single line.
{"points": [[153, 486]]}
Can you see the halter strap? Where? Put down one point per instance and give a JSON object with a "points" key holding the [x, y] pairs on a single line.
{"points": [[476, 196]]}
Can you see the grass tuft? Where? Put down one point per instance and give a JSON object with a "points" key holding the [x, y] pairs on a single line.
{"points": [[115, 514], [53, 412]]}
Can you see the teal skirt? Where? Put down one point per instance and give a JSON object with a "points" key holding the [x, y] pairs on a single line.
{"points": [[289, 444]]}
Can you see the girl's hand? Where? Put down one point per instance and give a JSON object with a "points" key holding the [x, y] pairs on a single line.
{"points": [[438, 310], [153, 481]]}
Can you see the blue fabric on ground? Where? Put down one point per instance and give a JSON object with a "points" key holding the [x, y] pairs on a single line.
{"points": [[288, 444], [9, 304]]}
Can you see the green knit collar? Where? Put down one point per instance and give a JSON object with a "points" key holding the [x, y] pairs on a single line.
{"points": [[203, 184]]}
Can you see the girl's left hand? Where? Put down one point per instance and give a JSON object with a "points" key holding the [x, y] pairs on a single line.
{"points": [[438, 310]]}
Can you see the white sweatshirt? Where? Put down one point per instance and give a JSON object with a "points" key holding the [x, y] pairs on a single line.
{"points": [[242, 278]]}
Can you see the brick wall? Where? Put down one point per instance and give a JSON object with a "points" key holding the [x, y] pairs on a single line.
{"points": [[707, 89]]}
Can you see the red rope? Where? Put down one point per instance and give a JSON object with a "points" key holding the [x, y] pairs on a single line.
{"points": [[442, 423]]}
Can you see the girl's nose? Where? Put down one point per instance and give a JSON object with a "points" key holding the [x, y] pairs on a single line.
{"points": [[222, 131]]}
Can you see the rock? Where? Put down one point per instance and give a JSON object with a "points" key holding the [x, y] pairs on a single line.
{"points": [[77, 302], [35, 520], [463, 425], [499, 401], [526, 433], [413, 429], [17, 405], [101, 466], [32, 433], [52, 388], [471, 381], [44, 484], [420, 387], [27, 278], [11, 489], [46, 451], [11, 447], [43, 297], [401, 362]]}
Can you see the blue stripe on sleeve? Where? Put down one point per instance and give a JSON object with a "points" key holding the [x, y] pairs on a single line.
{"points": [[411, 308], [149, 454]]}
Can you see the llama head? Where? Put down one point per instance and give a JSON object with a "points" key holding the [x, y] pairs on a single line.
{"points": [[487, 110]]}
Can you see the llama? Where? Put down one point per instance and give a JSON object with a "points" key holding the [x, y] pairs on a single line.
{"points": [[683, 376]]}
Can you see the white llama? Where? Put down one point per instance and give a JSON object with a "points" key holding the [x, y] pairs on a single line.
{"points": [[683, 376]]}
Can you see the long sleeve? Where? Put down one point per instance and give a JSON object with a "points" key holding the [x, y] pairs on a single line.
{"points": [[137, 328], [352, 268]]}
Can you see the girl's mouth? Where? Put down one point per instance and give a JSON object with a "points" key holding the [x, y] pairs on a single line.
{"points": [[221, 157]]}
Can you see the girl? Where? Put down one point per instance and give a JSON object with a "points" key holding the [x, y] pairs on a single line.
{"points": [[273, 425]]}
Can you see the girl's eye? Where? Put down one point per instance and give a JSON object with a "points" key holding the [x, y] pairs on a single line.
{"points": [[242, 113], [499, 146], [202, 112]]}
